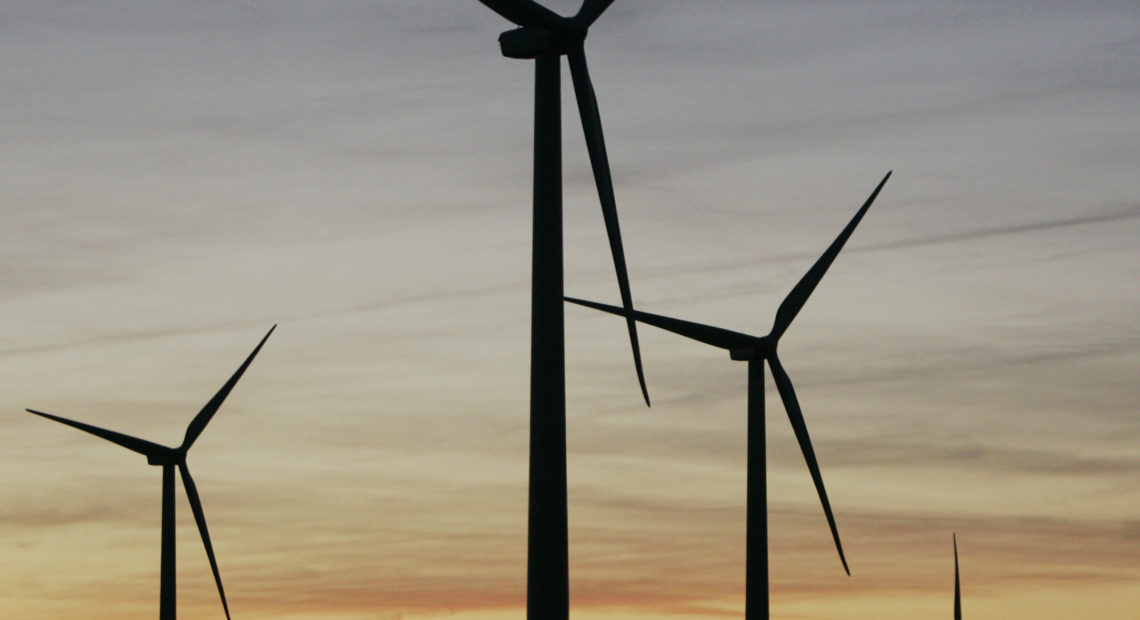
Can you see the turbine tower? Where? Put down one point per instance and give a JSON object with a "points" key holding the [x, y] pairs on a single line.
{"points": [[756, 350], [169, 458], [546, 36]]}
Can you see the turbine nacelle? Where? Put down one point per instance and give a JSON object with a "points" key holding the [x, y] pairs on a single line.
{"points": [[530, 43], [760, 349], [173, 457]]}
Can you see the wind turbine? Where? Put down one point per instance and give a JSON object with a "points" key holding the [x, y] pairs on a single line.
{"points": [[756, 350], [169, 458], [957, 584], [545, 36]]}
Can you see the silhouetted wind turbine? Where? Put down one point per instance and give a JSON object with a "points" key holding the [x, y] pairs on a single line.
{"points": [[169, 458], [756, 350], [957, 584], [545, 36]]}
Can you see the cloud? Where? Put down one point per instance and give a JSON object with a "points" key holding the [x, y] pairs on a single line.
{"points": [[1002, 460], [1108, 217], [805, 257], [78, 499]]}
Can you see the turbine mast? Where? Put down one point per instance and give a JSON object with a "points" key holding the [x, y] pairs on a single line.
{"points": [[756, 539], [167, 603], [548, 572], [545, 37]]}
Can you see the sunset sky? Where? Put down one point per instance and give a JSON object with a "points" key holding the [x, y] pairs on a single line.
{"points": [[177, 177]]}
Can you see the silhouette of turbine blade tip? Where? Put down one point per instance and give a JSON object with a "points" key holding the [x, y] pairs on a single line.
{"points": [[635, 345], [631, 318], [886, 177], [875, 193], [641, 377], [44, 414], [835, 533], [265, 338], [142, 446]]}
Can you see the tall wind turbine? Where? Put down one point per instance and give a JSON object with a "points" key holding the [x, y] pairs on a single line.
{"points": [[545, 36], [957, 584], [756, 350], [169, 458]]}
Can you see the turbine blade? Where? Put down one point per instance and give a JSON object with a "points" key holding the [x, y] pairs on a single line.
{"points": [[796, 417], [796, 299], [135, 444], [596, 145], [200, 519], [198, 424], [591, 10], [715, 336], [957, 584], [527, 14]]}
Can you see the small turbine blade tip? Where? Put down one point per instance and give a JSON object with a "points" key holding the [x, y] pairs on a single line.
{"points": [[40, 414], [636, 345]]}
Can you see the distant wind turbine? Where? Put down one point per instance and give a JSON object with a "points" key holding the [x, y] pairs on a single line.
{"points": [[169, 458], [756, 350], [957, 584], [545, 36]]}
